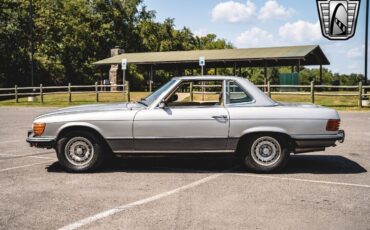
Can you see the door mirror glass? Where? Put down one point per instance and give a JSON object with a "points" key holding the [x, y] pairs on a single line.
{"points": [[174, 98]]}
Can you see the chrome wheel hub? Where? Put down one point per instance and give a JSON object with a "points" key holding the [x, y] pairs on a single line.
{"points": [[79, 151], [266, 151]]}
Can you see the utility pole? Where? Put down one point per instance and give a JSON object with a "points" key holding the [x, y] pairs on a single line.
{"points": [[32, 41]]}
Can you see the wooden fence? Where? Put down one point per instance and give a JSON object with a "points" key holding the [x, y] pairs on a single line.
{"points": [[319, 90], [70, 89], [311, 90]]}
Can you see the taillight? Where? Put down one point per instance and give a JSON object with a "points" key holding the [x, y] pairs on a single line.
{"points": [[38, 128], [333, 125]]}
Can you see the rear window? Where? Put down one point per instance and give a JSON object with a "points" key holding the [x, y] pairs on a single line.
{"points": [[236, 94]]}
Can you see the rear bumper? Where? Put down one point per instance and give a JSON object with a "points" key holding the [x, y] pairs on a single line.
{"points": [[317, 143], [40, 142]]}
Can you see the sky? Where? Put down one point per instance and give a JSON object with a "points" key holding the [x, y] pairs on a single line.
{"points": [[266, 23]]}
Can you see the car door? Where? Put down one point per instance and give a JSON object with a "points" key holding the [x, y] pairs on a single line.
{"points": [[185, 125]]}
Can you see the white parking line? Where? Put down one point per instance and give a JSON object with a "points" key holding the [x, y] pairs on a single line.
{"points": [[38, 157], [118, 209], [302, 180], [25, 166], [29, 155], [12, 141]]}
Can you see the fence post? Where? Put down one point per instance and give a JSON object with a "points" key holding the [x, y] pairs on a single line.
{"points": [[96, 92], [313, 92], [41, 94], [128, 91], [69, 93], [360, 94], [269, 89], [16, 93]]}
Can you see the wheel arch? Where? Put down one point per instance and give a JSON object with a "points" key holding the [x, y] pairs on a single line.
{"points": [[81, 126], [253, 132]]}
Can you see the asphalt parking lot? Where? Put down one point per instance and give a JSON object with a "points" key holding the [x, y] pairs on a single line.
{"points": [[324, 190]]}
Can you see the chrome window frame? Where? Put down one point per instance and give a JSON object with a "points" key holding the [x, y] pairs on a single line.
{"points": [[253, 101], [175, 86]]}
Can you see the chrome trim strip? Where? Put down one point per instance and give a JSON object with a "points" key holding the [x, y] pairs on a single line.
{"points": [[177, 138], [39, 139], [155, 138], [316, 136], [174, 151], [119, 138]]}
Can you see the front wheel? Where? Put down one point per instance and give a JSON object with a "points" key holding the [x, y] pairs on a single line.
{"points": [[266, 153], [79, 151]]}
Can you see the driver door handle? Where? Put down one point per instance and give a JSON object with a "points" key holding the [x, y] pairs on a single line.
{"points": [[220, 117]]}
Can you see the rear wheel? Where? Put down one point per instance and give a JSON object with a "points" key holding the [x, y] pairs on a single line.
{"points": [[80, 151], [266, 153]]}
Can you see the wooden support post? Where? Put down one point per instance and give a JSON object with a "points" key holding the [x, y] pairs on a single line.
{"points": [[203, 90], [313, 92], [124, 90], [265, 76], [191, 92], [96, 92], [151, 78], [360, 94], [128, 91], [69, 93], [16, 93], [269, 89], [320, 74], [41, 94], [234, 69]]}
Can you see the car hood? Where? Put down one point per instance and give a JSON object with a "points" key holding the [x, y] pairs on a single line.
{"points": [[93, 108]]}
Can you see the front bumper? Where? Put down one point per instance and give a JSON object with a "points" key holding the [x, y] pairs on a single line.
{"points": [[40, 142]]}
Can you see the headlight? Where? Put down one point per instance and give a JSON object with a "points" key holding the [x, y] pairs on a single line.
{"points": [[38, 128]]}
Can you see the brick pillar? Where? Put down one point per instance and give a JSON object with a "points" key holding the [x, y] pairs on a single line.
{"points": [[114, 69]]}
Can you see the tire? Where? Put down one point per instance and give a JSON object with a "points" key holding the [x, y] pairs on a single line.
{"points": [[80, 151], [265, 153]]}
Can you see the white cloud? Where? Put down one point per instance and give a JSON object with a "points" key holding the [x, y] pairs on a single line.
{"points": [[254, 37], [353, 66], [272, 10], [233, 12], [356, 52], [201, 32], [301, 31]]}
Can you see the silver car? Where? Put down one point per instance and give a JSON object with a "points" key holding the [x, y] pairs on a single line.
{"points": [[199, 114]]}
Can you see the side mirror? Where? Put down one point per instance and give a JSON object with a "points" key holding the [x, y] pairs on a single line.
{"points": [[162, 104], [174, 97]]}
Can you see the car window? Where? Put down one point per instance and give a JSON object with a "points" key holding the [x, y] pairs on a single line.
{"points": [[152, 97], [236, 94], [197, 93]]}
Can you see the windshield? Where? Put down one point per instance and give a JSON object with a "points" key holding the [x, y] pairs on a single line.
{"points": [[154, 96]]}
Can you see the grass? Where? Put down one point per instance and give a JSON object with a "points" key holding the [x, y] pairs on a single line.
{"points": [[61, 100]]}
